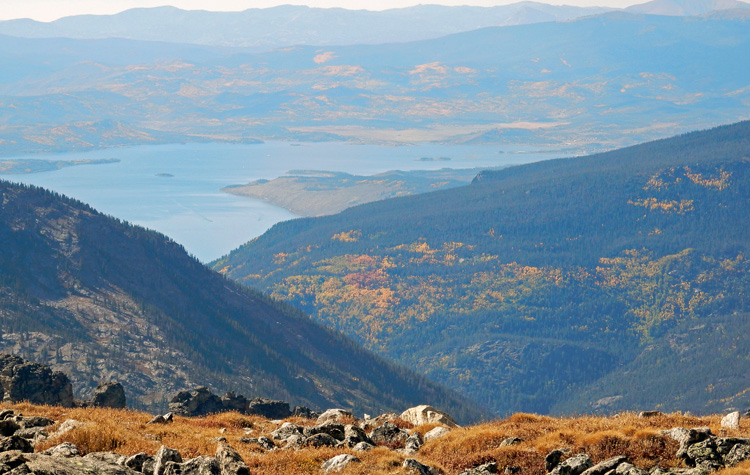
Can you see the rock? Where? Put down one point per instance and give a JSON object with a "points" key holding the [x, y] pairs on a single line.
{"points": [[295, 441], [306, 412], [136, 461], [67, 426], [201, 465], [263, 442], [336, 415], [510, 441], [234, 402], [512, 470], [164, 456], [108, 457], [692, 436], [15, 442], [725, 444], [42, 464], [575, 465], [110, 394], [363, 447], [485, 469], [626, 468], [388, 433], [700, 452], [321, 440], [286, 430], [436, 433], [268, 408], [6, 413], [552, 459], [32, 433], [603, 467], [21, 380], [413, 444], [35, 421], [680, 434], [11, 460], [731, 420], [198, 402], [738, 453], [158, 419], [650, 414], [338, 463], [427, 415], [414, 466], [353, 435], [66, 449], [230, 462], [9, 427], [334, 429]]}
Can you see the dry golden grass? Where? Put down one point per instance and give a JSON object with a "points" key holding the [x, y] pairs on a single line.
{"points": [[127, 433]]}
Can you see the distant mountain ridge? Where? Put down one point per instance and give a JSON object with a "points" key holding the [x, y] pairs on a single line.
{"points": [[104, 300], [686, 7], [594, 283], [293, 25]]}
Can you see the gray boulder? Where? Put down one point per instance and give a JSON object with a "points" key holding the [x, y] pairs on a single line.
{"points": [[338, 463], [321, 440], [234, 402], [626, 468], [603, 467], [336, 415], [21, 380], [486, 469], [575, 465], [553, 459], [436, 433], [110, 394], [286, 430], [731, 420], [427, 415], [201, 465], [413, 444], [263, 442], [15, 442], [164, 456], [363, 447], [336, 430], [136, 461], [66, 449], [738, 453], [306, 412], [198, 402], [510, 441], [43, 464], [419, 468], [11, 460], [230, 462], [268, 408], [388, 434]]}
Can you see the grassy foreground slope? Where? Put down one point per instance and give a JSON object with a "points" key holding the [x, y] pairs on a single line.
{"points": [[102, 299], [591, 283]]}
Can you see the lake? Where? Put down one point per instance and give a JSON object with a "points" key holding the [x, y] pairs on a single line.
{"points": [[175, 189]]}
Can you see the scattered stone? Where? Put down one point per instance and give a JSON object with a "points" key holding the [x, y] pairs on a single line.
{"points": [[510, 441], [334, 429], [646, 414], [108, 457], [680, 434], [388, 433], [230, 462], [626, 468], [335, 415], [200, 465], [11, 460], [21, 380], [268, 408], [339, 462], [66, 449], [731, 420], [353, 435], [234, 402], [413, 444], [320, 440], [164, 456], [6, 413], [110, 394], [306, 412], [67, 426], [436, 433], [420, 469], [198, 402], [15, 442], [32, 433], [9, 427], [136, 461], [286, 430], [42, 464], [603, 467], [738, 453], [295, 441], [512, 470], [167, 418], [485, 469], [420, 415], [363, 447], [575, 465], [552, 459]]}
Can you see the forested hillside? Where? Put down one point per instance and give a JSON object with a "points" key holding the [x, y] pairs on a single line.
{"points": [[102, 299], [591, 283]]}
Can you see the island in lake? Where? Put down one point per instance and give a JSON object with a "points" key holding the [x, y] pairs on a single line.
{"points": [[317, 193]]}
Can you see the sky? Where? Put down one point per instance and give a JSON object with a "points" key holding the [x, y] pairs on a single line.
{"points": [[49, 10]]}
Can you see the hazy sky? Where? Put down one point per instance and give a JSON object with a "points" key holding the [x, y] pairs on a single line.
{"points": [[48, 10]]}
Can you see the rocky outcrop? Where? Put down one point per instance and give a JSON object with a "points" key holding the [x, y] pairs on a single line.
{"points": [[427, 415], [338, 463], [201, 401], [110, 394], [21, 380]]}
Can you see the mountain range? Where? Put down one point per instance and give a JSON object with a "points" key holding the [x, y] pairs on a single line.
{"points": [[596, 283], [594, 83], [101, 299]]}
